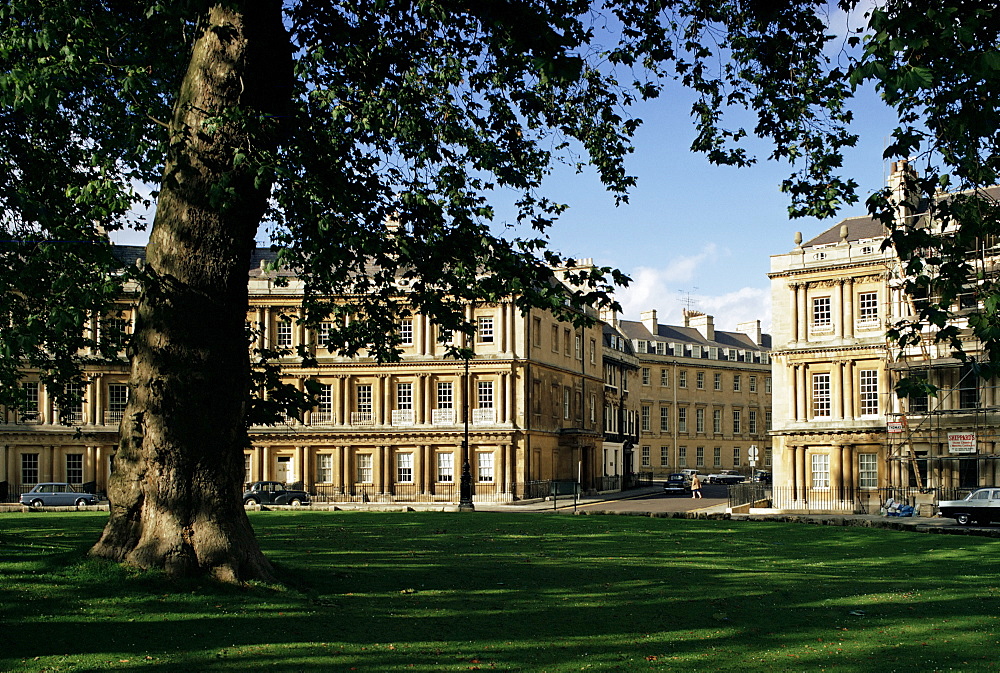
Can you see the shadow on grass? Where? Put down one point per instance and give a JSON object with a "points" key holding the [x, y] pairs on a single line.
{"points": [[436, 591]]}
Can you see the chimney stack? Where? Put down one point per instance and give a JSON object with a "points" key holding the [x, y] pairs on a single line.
{"points": [[649, 320], [751, 329], [702, 322]]}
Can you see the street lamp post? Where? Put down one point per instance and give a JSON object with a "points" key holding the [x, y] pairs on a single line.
{"points": [[465, 485]]}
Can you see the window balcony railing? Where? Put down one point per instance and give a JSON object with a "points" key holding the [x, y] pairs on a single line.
{"points": [[865, 324], [113, 417], [443, 416], [821, 328], [322, 418], [362, 418], [30, 418], [71, 416], [402, 417], [484, 416]]}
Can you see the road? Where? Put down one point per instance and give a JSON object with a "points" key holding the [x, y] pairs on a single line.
{"points": [[656, 502]]}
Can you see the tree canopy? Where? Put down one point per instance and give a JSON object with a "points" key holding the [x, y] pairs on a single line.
{"points": [[326, 120]]}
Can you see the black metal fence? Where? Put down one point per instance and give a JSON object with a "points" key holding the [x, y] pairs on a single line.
{"points": [[847, 500]]}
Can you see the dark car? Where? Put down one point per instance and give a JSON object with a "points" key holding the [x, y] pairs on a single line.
{"points": [[725, 477], [57, 494], [981, 506], [677, 484], [273, 493], [762, 477]]}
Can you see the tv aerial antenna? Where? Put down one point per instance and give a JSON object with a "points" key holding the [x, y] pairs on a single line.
{"points": [[687, 301]]}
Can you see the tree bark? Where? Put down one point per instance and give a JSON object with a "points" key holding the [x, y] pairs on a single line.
{"points": [[178, 473]]}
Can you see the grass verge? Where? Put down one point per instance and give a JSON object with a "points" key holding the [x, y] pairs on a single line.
{"points": [[512, 592]]}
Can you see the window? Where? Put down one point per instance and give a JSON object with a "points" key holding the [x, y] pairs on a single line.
{"points": [[736, 422], [661, 348], [664, 456], [717, 421], [644, 418], [404, 396], [767, 385], [699, 381], [736, 456], [484, 332], [445, 395], [968, 388], [566, 402], [404, 468], [753, 384], [484, 466], [665, 377], [645, 456], [664, 419], [29, 412], [868, 307], [73, 411], [114, 332], [555, 338], [406, 332], [699, 456], [566, 340], [699, 420], [446, 467], [717, 457], [323, 333], [821, 311], [682, 460], [364, 468], [717, 381], [736, 383], [869, 392], [485, 397], [593, 408], [767, 421], [324, 468], [74, 468], [325, 400], [821, 395], [29, 468], [682, 379], [578, 344], [752, 422], [364, 398], [284, 333], [117, 400], [247, 464], [820, 463], [593, 351], [682, 419], [867, 470], [645, 376], [767, 456], [536, 332]]}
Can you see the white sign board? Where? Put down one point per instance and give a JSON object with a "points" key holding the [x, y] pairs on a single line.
{"points": [[752, 452], [961, 442], [894, 426]]}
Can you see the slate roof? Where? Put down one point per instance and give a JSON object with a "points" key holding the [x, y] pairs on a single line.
{"points": [[677, 334]]}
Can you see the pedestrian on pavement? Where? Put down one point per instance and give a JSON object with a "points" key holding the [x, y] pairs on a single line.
{"points": [[695, 486]]}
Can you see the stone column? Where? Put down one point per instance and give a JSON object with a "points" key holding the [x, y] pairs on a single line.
{"points": [[344, 398], [849, 308], [800, 472], [837, 301], [793, 313], [849, 405], [850, 464], [304, 473], [502, 401], [836, 471], [803, 314], [837, 390], [378, 469], [801, 400]]}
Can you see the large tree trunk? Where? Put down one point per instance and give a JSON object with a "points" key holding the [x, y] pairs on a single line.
{"points": [[178, 474]]}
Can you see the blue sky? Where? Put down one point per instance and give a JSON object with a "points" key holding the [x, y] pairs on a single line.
{"points": [[698, 231]]}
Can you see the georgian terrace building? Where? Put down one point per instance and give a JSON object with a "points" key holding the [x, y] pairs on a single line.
{"points": [[842, 438], [534, 396], [703, 395]]}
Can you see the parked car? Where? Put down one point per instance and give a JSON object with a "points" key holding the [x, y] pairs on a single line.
{"points": [[689, 472], [981, 506], [57, 494], [273, 493], [677, 483], [762, 477], [725, 477]]}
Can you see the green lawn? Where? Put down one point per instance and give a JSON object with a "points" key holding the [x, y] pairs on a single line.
{"points": [[511, 592]]}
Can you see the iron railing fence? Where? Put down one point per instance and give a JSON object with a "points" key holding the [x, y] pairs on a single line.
{"points": [[853, 500]]}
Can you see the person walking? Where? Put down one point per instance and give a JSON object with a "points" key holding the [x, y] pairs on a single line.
{"points": [[695, 486]]}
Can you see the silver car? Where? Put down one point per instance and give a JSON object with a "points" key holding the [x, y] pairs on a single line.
{"points": [[982, 506], [57, 494]]}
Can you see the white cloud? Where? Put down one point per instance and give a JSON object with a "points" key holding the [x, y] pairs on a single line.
{"points": [[670, 289]]}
